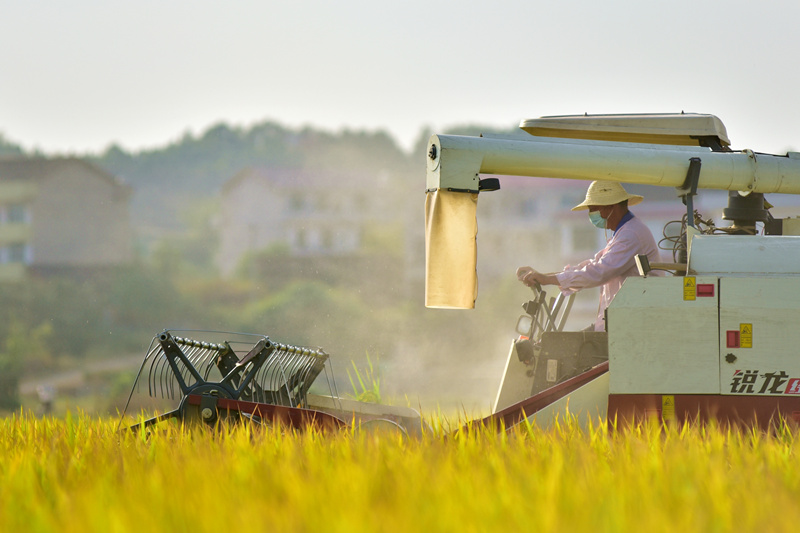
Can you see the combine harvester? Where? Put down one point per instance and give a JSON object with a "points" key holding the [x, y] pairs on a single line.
{"points": [[717, 339]]}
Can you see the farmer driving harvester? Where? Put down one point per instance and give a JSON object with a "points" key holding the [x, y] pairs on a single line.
{"points": [[607, 203]]}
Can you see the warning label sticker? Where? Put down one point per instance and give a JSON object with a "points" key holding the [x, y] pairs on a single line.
{"points": [[689, 288], [746, 335], [668, 407]]}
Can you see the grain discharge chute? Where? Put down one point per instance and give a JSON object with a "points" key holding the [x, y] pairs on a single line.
{"points": [[716, 338]]}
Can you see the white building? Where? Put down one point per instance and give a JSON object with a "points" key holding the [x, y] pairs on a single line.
{"points": [[305, 213]]}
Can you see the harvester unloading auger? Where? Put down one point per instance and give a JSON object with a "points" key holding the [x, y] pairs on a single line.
{"points": [[717, 339], [218, 376]]}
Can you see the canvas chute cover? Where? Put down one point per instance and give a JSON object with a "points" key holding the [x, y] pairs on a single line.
{"points": [[451, 252]]}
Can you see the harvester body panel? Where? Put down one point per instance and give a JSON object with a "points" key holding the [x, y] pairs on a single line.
{"points": [[660, 342]]}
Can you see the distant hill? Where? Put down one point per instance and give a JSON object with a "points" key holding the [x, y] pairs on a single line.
{"points": [[202, 164], [169, 178], [168, 181]]}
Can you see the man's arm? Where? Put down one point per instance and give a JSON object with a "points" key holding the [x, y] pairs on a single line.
{"points": [[616, 260], [529, 275]]}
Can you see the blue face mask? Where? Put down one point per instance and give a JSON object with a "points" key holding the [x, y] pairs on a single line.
{"points": [[597, 219]]}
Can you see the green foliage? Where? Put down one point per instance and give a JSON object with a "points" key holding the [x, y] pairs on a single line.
{"points": [[192, 252], [368, 388], [70, 306], [22, 346], [308, 313], [10, 374], [110, 312], [144, 298], [9, 148], [253, 263]]}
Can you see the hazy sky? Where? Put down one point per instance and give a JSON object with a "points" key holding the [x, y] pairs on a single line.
{"points": [[77, 75]]}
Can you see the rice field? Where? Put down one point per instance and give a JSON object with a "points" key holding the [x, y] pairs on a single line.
{"points": [[79, 474]]}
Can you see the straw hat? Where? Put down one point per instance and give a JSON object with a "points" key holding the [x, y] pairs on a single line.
{"points": [[607, 193]]}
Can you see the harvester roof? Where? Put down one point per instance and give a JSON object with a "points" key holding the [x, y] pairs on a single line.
{"points": [[692, 129]]}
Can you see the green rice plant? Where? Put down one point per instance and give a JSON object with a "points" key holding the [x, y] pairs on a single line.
{"points": [[367, 386], [79, 474]]}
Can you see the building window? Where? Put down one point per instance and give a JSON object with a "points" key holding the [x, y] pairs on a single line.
{"points": [[17, 214], [16, 253]]}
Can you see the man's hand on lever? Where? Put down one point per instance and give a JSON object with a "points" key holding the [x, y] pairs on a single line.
{"points": [[531, 277]]}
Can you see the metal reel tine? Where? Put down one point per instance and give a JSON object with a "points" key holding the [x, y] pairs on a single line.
{"points": [[153, 356], [156, 371], [182, 366], [167, 379], [207, 362], [277, 376], [162, 364], [202, 358]]}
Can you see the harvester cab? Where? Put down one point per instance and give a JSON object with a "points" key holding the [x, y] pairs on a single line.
{"points": [[715, 339], [545, 355]]}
